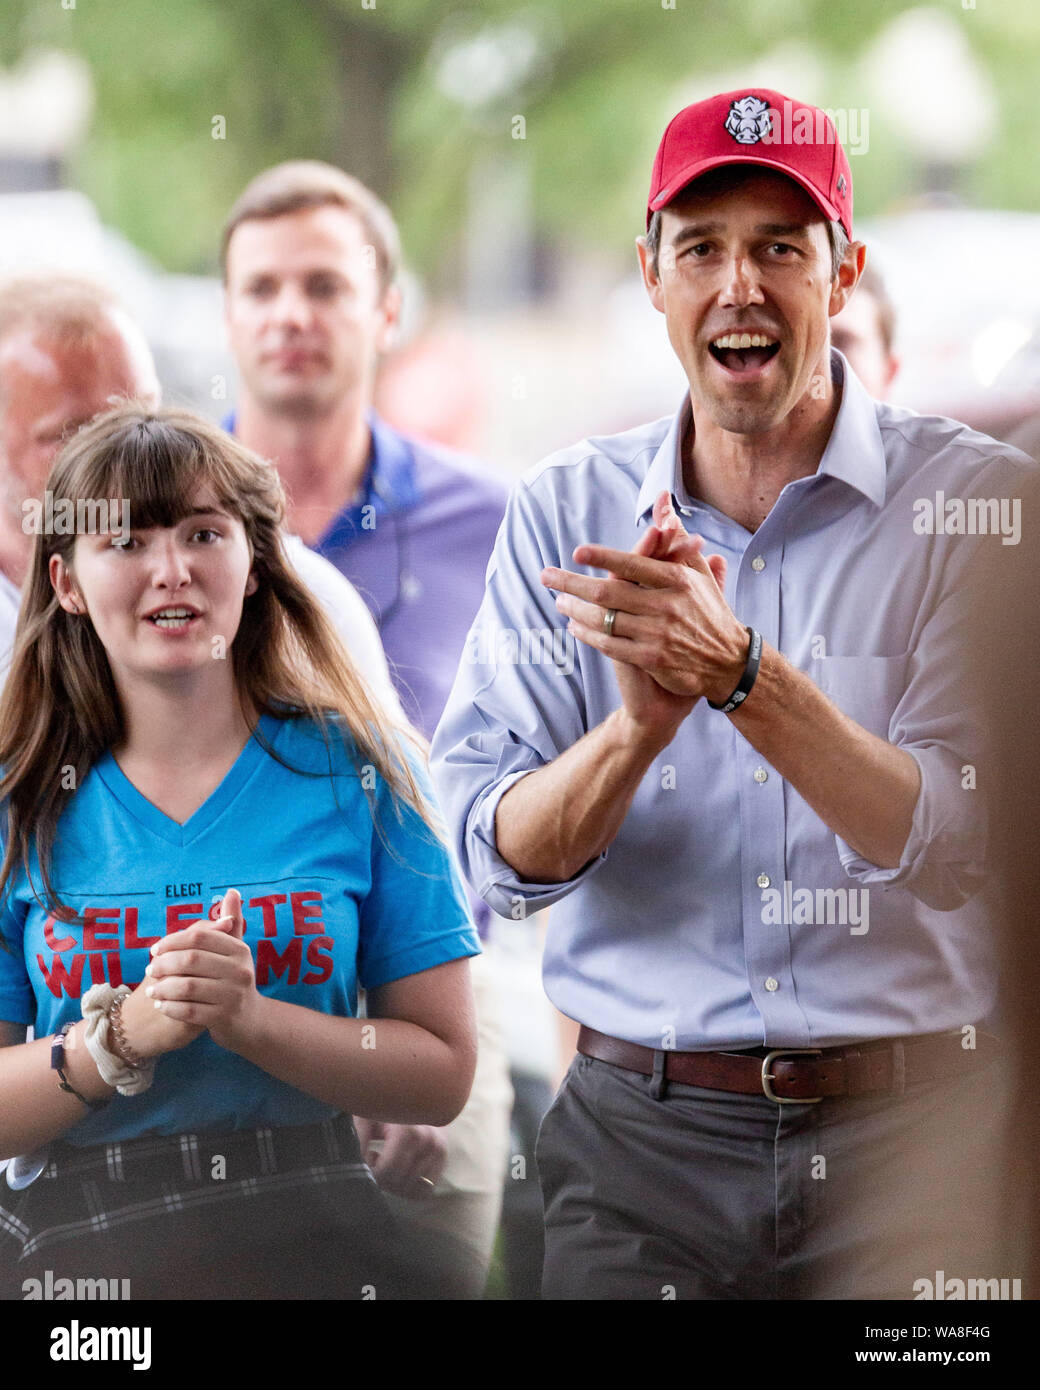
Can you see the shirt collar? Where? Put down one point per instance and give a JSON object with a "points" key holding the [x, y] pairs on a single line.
{"points": [[389, 482], [854, 454], [665, 471], [389, 486], [391, 468]]}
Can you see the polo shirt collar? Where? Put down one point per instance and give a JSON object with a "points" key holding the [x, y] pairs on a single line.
{"points": [[854, 454], [388, 486], [390, 482]]}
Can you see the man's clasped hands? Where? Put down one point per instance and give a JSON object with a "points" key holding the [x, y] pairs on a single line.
{"points": [[674, 637]]}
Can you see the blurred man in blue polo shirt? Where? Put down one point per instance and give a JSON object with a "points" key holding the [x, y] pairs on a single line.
{"points": [[310, 262]]}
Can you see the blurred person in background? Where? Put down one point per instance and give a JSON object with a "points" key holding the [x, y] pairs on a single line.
{"points": [[310, 259], [864, 331], [1027, 437], [68, 352], [1005, 625], [770, 1099], [1019, 380]]}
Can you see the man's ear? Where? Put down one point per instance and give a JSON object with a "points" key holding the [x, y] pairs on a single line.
{"points": [[390, 313], [847, 278], [651, 278]]}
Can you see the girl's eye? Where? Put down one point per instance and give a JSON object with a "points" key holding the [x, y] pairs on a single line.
{"points": [[208, 532], [123, 542]]}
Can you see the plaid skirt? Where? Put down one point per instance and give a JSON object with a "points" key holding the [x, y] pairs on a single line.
{"points": [[286, 1213]]}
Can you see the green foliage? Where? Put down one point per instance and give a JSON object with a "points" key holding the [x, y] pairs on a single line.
{"points": [[330, 79]]}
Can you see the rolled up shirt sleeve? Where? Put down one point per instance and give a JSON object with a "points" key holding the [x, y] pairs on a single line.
{"points": [[937, 720], [517, 702], [943, 860]]}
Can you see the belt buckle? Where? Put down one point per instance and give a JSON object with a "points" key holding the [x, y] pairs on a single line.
{"points": [[767, 1075]]}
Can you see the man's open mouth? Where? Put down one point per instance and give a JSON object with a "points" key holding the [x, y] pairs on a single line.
{"points": [[743, 352]]}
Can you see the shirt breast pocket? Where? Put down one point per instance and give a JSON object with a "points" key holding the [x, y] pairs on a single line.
{"points": [[866, 688]]}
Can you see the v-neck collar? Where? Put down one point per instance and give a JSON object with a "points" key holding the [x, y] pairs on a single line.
{"points": [[174, 833]]}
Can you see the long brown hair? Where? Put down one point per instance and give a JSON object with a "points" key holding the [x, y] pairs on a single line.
{"points": [[60, 709]]}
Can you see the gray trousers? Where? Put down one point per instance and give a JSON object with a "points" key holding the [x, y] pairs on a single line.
{"points": [[707, 1194]]}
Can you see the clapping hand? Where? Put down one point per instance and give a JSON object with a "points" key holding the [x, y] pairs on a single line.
{"points": [[673, 638], [204, 975]]}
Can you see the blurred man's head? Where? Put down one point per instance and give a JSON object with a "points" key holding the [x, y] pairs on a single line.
{"points": [[865, 332], [310, 257], [68, 352]]}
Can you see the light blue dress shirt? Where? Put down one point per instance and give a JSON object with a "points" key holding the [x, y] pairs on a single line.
{"points": [[725, 913]]}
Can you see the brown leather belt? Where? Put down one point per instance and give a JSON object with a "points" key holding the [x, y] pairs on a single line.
{"points": [[792, 1075]]}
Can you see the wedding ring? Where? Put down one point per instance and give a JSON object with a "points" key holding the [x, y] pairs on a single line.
{"points": [[609, 615]]}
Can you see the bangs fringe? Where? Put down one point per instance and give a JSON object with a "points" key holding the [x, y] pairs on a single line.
{"points": [[158, 469]]}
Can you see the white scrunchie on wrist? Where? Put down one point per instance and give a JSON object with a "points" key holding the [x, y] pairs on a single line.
{"points": [[128, 1080]]}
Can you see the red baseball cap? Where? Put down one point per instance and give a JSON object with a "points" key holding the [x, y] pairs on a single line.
{"points": [[757, 127]]}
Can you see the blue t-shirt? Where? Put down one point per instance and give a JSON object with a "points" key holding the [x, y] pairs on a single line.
{"points": [[327, 907]]}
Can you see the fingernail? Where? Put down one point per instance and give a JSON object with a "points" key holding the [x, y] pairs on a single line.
{"points": [[158, 1003], [148, 968], [149, 990], [154, 948]]}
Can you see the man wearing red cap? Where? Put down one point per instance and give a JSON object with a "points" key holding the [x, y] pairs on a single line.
{"points": [[750, 788]]}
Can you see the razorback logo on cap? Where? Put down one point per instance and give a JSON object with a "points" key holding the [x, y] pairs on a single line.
{"points": [[749, 120]]}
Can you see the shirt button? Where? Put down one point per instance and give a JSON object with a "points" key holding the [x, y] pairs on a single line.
{"points": [[761, 775], [762, 880], [772, 985], [758, 563]]}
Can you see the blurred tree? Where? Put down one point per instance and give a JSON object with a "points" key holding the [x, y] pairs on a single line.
{"points": [[414, 95]]}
